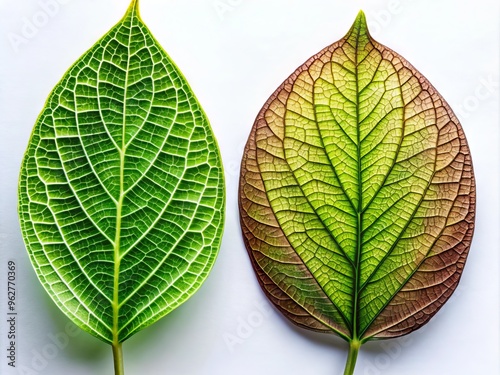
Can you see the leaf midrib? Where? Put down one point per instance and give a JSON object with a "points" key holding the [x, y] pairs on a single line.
{"points": [[359, 209], [119, 204]]}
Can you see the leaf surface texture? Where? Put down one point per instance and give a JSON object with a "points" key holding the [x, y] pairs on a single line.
{"points": [[121, 195], [357, 193]]}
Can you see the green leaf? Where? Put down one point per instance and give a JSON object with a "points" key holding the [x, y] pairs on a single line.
{"points": [[121, 195], [357, 194]]}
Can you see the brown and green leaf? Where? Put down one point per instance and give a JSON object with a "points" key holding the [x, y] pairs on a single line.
{"points": [[357, 193]]}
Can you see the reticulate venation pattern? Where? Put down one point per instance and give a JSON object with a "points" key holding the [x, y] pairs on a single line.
{"points": [[357, 194], [121, 188]]}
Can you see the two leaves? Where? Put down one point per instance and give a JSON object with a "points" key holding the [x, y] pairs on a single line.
{"points": [[357, 194], [121, 195]]}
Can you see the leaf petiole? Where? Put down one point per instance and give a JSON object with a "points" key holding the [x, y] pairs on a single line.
{"points": [[118, 358], [354, 346]]}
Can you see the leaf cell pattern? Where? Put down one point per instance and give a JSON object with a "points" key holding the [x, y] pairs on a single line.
{"points": [[357, 193], [121, 189]]}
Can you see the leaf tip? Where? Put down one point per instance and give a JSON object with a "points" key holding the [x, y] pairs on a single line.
{"points": [[134, 7], [359, 27], [361, 18], [360, 22]]}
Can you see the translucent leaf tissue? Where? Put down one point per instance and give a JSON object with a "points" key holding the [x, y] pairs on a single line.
{"points": [[357, 194], [121, 194]]}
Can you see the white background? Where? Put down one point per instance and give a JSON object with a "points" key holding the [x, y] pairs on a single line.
{"points": [[234, 54]]}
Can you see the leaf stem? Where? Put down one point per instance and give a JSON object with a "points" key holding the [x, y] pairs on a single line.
{"points": [[354, 346], [118, 358]]}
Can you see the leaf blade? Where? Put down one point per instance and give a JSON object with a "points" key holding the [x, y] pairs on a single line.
{"points": [[353, 151], [121, 189]]}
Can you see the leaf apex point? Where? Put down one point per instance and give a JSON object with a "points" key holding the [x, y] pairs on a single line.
{"points": [[359, 27], [361, 20], [134, 6]]}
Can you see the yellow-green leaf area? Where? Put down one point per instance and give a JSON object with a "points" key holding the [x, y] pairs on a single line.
{"points": [[357, 194]]}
